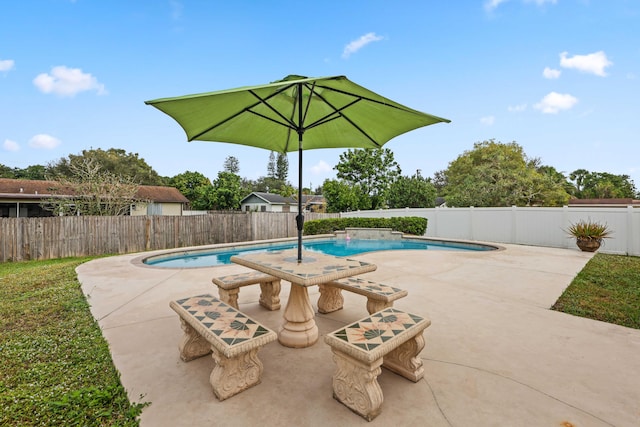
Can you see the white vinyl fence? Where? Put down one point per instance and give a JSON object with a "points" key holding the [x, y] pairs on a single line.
{"points": [[524, 225]]}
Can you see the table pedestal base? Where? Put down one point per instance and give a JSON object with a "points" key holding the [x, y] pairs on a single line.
{"points": [[299, 329]]}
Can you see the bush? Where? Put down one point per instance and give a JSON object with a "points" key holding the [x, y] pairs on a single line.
{"points": [[408, 225]]}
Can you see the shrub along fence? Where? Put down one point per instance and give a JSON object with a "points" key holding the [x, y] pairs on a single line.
{"points": [[58, 237]]}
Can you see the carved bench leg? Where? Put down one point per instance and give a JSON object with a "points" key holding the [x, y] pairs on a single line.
{"points": [[404, 360], [192, 345], [374, 305], [229, 296], [230, 376], [270, 295], [355, 384], [331, 298]]}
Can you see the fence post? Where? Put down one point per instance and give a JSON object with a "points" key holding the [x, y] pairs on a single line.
{"points": [[565, 224], [147, 234], [630, 231], [471, 223], [514, 224], [435, 233]]}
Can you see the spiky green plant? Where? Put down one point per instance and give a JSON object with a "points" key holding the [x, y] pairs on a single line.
{"points": [[589, 230]]}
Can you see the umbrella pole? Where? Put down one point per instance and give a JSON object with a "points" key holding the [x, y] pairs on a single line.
{"points": [[300, 216]]}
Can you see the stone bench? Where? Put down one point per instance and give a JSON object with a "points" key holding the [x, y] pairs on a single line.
{"points": [[229, 288], [379, 296], [391, 338], [234, 340]]}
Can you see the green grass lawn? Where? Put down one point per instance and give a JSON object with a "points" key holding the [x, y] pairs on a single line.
{"points": [[56, 369], [607, 289]]}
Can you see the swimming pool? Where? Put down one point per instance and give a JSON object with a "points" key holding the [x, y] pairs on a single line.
{"points": [[331, 246]]}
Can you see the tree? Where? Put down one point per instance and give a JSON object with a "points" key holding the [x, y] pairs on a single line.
{"points": [[35, 172], [542, 189], [373, 170], [578, 176], [114, 160], [7, 172], [497, 174], [93, 190], [282, 167], [194, 186], [227, 191], [602, 185], [439, 181], [558, 177], [341, 196], [231, 165], [276, 179], [271, 166], [412, 192], [266, 184]]}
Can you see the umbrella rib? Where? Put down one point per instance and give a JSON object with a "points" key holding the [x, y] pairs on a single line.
{"points": [[401, 107], [289, 123], [338, 112], [248, 109]]}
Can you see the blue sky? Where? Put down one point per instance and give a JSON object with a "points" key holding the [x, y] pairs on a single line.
{"points": [[559, 77]]}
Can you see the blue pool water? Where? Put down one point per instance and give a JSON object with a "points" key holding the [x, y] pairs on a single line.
{"points": [[336, 247]]}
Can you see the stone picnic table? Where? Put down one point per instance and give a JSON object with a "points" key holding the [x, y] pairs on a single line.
{"points": [[299, 329]]}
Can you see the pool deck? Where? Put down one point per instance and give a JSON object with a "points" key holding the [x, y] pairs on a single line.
{"points": [[495, 354]]}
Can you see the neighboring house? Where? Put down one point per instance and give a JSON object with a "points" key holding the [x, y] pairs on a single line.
{"points": [[268, 202], [604, 203], [22, 198], [162, 201], [314, 203]]}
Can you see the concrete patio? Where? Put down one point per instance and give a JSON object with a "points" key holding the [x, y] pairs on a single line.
{"points": [[495, 354]]}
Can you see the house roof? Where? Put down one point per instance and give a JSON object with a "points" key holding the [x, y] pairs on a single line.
{"points": [[26, 188], [34, 189], [313, 199], [605, 202], [160, 194], [271, 198]]}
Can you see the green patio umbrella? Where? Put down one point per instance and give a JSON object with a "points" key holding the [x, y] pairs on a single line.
{"points": [[296, 113]]}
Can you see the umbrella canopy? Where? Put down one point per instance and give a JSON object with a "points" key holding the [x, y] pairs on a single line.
{"points": [[296, 113]]}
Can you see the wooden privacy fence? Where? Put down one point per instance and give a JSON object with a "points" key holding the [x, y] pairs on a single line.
{"points": [[58, 237]]}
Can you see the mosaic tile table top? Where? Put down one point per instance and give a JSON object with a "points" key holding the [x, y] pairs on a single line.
{"points": [[314, 269], [370, 339], [225, 324]]}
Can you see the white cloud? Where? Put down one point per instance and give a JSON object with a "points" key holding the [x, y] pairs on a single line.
{"points": [[553, 102], [487, 120], [550, 73], [320, 168], [517, 108], [66, 81], [358, 44], [6, 64], [176, 9], [10, 145], [489, 5], [44, 141], [594, 63], [541, 2]]}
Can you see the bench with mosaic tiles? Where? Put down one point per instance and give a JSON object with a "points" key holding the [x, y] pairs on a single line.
{"points": [[379, 296], [229, 288], [391, 338], [233, 338]]}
